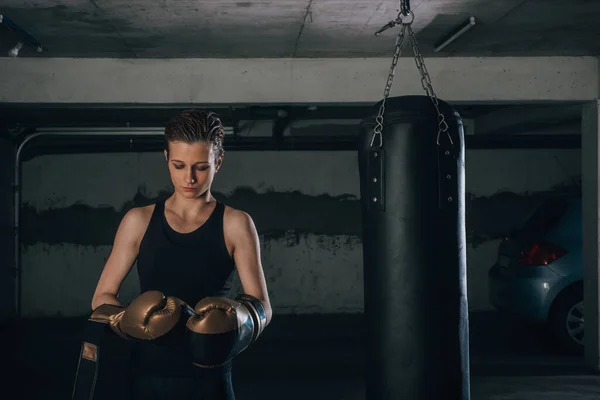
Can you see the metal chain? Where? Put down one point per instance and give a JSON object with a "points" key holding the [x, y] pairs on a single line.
{"points": [[388, 87], [426, 83], [425, 78], [404, 6]]}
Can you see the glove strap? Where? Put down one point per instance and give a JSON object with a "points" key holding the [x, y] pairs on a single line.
{"points": [[87, 367], [94, 333]]}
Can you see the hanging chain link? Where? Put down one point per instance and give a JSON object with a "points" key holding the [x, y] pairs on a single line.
{"points": [[420, 62], [427, 86], [388, 86]]}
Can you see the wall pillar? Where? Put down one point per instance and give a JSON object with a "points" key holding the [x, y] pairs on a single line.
{"points": [[7, 237], [591, 223]]}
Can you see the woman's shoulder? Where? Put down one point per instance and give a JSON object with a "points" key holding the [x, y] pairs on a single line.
{"points": [[141, 211], [138, 218], [237, 219], [235, 214]]}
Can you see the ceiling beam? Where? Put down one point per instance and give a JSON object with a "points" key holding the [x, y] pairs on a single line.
{"points": [[293, 81]]}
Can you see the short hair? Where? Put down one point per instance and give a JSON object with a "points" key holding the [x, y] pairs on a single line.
{"points": [[196, 126]]}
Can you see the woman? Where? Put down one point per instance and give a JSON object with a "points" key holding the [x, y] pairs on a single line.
{"points": [[186, 246]]}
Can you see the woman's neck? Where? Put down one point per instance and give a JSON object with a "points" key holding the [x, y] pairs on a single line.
{"points": [[188, 208]]}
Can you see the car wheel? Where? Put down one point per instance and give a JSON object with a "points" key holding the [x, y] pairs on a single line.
{"points": [[566, 320]]}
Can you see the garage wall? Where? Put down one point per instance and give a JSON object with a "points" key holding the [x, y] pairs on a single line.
{"points": [[305, 205]]}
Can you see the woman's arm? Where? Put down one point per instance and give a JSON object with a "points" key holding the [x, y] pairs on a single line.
{"points": [[246, 254], [121, 258]]}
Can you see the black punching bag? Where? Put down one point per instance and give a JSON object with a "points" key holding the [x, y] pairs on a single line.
{"points": [[414, 253]]}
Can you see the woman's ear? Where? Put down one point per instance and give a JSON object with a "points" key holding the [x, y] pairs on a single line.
{"points": [[166, 155], [218, 163]]}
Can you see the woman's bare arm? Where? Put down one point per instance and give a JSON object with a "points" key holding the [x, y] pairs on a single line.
{"points": [[246, 254], [121, 258]]}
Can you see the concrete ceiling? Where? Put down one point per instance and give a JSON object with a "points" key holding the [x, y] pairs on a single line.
{"points": [[296, 28], [308, 28]]}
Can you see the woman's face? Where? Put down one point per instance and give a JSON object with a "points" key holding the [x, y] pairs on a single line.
{"points": [[192, 167]]}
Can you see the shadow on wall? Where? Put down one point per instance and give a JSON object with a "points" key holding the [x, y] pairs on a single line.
{"points": [[282, 215]]}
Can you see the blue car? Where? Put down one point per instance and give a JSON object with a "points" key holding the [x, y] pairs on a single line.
{"points": [[539, 273]]}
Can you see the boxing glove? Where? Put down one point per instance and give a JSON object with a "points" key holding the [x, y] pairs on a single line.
{"points": [[221, 328], [154, 316], [111, 316]]}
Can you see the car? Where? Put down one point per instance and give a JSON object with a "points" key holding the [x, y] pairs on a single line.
{"points": [[538, 274]]}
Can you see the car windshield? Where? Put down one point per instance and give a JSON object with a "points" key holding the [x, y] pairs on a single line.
{"points": [[546, 216]]}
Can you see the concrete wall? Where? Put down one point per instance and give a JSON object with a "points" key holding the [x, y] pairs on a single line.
{"points": [[7, 296], [305, 205]]}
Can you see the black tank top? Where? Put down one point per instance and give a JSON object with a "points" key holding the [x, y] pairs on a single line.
{"points": [[189, 266]]}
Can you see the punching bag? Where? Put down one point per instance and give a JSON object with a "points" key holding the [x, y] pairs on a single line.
{"points": [[414, 253]]}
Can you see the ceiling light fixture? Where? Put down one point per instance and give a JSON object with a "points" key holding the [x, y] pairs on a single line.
{"points": [[455, 34], [15, 50], [25, 37]]}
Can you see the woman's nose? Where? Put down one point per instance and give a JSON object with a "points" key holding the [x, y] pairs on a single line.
{"points": [[189, 178]]}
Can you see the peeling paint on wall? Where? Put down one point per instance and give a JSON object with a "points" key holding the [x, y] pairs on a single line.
{"points": [[281, 215], [275, 214], [79, 224]]}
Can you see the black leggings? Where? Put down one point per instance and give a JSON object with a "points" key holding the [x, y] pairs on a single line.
{"points": [[153, 387]]}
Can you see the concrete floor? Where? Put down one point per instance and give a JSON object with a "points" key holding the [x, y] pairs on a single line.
{"points": [[317, 357]]}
